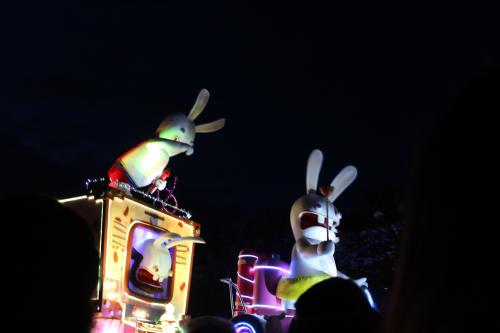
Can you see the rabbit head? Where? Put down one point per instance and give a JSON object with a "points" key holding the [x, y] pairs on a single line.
{"points": [[179, 127], [156, 255], [312, 213]]}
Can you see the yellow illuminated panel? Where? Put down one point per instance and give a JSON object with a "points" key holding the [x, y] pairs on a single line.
{"points": [[112, 219]]}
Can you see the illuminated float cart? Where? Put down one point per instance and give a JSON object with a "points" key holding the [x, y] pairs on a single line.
{"points": [[266, 287], [146, 244], [146, 257]]}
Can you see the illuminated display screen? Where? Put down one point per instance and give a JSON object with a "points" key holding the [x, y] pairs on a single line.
{"points": [[146, 266]]}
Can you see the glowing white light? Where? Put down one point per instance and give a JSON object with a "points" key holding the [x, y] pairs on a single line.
{"points": [[72, 199], [272, 268], [244, 278], [110, 284], [245, 296], [248, 256], [140, 314], [112, 296]]}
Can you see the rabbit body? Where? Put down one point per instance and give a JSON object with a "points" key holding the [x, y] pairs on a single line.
{"points": [[144, 164], [314, 220], [312, 253], [156, 255], [156, 260]]}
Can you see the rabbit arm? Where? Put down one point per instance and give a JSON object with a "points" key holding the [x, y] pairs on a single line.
{"points": [[170, 146], [342, 275], [305, 248], [361, 282], [184, 240]]}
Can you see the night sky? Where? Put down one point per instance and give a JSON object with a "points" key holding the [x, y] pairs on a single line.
{"points": [[83, 82]]}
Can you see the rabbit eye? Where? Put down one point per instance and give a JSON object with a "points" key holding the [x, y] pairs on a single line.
{"points": [[317, 206], [183, 129]]}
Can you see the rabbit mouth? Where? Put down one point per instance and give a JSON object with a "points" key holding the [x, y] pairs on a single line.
{"points": [[310, 219]]}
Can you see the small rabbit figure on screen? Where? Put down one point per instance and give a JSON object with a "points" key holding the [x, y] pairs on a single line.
{"points": [[156, 262]]}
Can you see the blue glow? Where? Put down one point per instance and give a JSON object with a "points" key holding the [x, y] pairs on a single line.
{"points": [[369, 298], [243, 327]]}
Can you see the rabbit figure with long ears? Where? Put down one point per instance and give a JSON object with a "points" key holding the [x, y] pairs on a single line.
{"points": [[314, 221], [156, 262], [144, 164]]}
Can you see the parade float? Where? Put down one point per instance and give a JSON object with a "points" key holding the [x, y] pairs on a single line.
{"points": [[146, 242], [267, 287]]}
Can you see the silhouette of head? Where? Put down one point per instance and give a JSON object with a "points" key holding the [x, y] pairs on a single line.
{"points": [[336, 305], [448, 249], [49, 262]]}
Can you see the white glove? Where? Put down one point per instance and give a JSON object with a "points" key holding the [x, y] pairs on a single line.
{"points": [[361, 282], [189, 151], [160, 184]]}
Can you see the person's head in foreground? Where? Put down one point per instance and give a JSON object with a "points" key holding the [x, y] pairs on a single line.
{"points": [[445, 280], [49, 264], [334, 305]]}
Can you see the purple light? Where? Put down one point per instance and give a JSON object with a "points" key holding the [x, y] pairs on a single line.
{"points": [[244, 278], [243, 327], [265, 306], [272, 268], [248, 256], [141, 234]]}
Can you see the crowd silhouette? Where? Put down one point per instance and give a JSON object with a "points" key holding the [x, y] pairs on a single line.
{"points": [[50, 265], [443, 281]]}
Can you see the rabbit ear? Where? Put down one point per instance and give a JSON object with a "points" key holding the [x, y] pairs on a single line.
{"points": [[342, 181], [313, 168], [164, 237], [199, 105], [210, 127], [185, 240]]}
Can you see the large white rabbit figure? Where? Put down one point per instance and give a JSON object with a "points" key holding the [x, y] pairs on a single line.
{"points": [[156, 262], [314, 221], [144, 164]]}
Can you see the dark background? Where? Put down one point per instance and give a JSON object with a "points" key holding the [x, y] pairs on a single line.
{"points": [[82, 82]]}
